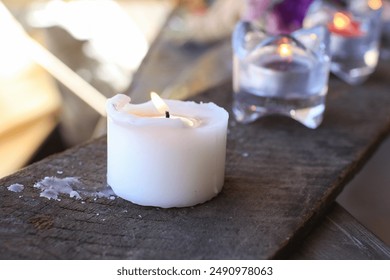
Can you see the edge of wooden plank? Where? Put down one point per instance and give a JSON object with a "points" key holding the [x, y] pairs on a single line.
{"points": [[341, 236]]}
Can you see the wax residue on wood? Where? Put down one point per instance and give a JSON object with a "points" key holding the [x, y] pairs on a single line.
{"points": [[16, 187], [52, 187]]}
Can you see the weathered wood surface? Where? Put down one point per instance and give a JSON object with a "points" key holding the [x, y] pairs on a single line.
{"points": [[280, 180], [341, 237]]}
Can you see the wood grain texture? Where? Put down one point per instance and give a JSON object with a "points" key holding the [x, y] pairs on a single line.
{"points": [[341, 237], [280, 179]]}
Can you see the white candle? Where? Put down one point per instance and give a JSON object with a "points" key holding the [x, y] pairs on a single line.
{"points": [[166, 162]]}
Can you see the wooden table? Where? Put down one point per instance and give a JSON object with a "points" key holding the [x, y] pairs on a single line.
{"points": [[277, 201]]}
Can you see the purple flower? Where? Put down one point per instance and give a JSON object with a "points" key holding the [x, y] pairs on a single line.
{"points": [[278, 16], [290, 14]]}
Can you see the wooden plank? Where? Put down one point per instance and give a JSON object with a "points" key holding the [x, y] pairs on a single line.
{"points": [[280, 179], [342, 237]]}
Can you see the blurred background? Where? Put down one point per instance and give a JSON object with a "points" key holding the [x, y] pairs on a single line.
{"points": [[104, 42]]}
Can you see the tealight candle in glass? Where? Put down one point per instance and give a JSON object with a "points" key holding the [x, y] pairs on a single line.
{"points": [[281, 74], [355, 35], [385, 44]]}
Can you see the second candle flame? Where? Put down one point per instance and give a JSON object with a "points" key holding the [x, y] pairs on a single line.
{"points": [[285, 50], [341, 21]]}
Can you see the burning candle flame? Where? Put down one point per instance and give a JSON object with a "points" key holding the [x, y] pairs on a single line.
{"points": [[341, 21], [375, 4], [163, 108], [159, 103], [285, 50]]}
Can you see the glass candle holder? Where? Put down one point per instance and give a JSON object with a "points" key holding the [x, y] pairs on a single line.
{"points": [[385, 43], [281, 74], [385, 51], [355, 31]]}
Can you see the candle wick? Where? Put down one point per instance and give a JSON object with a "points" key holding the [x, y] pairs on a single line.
{"points": [[167, 115]]}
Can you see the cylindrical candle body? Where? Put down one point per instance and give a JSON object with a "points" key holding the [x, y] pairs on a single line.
{"points": [[165, 162]]}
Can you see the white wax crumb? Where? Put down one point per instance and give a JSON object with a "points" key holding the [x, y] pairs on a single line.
{"points": [[74, 194], [124, 211], [106, 193], [245, 154], [20, 196], [60, 172], [140, 216], [51, 187], [97, 214], [103, 220], [16, 187]]}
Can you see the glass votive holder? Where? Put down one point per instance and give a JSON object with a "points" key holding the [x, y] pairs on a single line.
{"points": [[282, 74], [385, 43], [355, 29]]}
